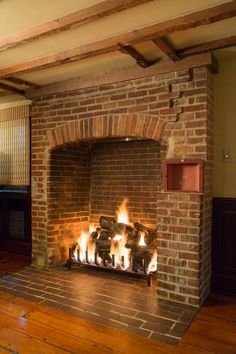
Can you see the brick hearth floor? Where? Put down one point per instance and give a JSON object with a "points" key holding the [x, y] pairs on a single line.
{"points": [[114, 300]]}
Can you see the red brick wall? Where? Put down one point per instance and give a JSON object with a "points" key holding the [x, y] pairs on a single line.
{"points": [[68, 198], [126, 169], [183, 218]]}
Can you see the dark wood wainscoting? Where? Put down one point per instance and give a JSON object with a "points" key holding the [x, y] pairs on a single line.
{"points": [[15, 220], [224, 245]]}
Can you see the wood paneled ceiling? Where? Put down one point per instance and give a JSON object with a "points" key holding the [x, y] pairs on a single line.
{"points": [[45, 43]]}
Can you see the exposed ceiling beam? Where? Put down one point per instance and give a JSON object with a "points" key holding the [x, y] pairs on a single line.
{"points": [[11, 88], [207, 46], [124, 74], [19, 81], [135, 54], [74, 19], [166, 47], [3, 92], [107, 45]]}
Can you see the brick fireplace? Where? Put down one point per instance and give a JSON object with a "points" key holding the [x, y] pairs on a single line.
{"points": [[93, 147]]}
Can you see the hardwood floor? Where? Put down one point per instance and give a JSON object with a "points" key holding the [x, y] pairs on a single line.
{"points": [[28, 327], [103, 297]]}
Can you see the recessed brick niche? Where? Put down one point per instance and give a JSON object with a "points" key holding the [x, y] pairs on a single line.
{"points": [[91, 148]]}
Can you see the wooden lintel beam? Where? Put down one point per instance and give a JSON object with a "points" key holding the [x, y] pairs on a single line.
{"points": [[207, 46], [166, 47], [72, 20], [19, 81], [135, 54], [123, 74], [107, 45], [11, 88]]}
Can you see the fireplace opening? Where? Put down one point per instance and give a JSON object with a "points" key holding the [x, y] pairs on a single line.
{"points": [[87, 183], [117, 244]]}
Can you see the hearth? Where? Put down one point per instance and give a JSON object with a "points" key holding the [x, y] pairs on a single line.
{"points": [[117, 245]]}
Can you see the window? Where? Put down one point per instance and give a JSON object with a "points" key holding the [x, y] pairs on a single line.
{"points": [[15, 146]]}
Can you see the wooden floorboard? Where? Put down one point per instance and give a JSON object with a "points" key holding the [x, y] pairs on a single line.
{"points": [[28, 327], [214, 327]]}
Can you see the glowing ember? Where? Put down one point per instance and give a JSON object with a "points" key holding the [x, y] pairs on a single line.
{"points": [[122, 213]]}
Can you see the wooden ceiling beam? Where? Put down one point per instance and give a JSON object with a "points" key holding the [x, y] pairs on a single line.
{"points": [[19, 81], [4, 92], [166, 47], [107, 45], [207, 46], [136, 55], [124, 74], [11, 88], [72, 20]]}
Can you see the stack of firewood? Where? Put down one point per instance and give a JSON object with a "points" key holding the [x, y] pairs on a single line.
{"points": [[109, 228]]}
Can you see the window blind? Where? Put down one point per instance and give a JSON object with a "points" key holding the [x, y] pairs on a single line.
{"points": [[15, 146]]}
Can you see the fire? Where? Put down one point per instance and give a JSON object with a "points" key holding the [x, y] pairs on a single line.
{"points": [[141, 241], [152, 267], [118, 249], [85, 247], [91, 228], [99, 246], [82, 244], [91, 251], [117, 238], [120, 252], [122, 213]]}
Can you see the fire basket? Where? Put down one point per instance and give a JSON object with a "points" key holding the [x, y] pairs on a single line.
{"points": [[117, 246]]}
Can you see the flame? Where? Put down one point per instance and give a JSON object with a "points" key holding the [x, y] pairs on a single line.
{"points": [[85, 246], [152, 266], [122, 212], [121, 255], [91, 252], [117, 238], [91, 228], [141, 241], [118, 249], [120, 252], [82, 244]]}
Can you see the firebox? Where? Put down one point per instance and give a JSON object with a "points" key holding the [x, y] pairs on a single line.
{"points": [[117, 245], [88, 182]]}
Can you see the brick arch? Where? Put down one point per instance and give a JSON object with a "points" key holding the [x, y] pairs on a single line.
{"points": [[135, 125]]}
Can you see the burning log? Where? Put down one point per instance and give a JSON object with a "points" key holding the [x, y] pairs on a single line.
{"points": [[117, 245], [107, 222], [132, 234], [115, 228], [150, 234], [95, 234], [132, 238], [103, 244]]}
